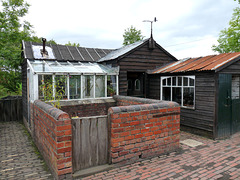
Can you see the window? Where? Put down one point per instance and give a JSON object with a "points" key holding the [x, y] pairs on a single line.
{"points": [[111, 85], [75, 86], [45, 87], [180, 89], [61, 90], [88, 86], [100, 86], [137, 85]]}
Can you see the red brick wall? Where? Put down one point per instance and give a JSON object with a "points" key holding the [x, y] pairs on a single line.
{"points": [[86, 108], [52, 132], [144, 130]]}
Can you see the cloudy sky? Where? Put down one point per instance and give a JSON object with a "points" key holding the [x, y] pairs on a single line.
{"points": [[185, 28]]}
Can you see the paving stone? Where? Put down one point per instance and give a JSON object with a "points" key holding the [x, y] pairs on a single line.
{"points": [[17, 155]]}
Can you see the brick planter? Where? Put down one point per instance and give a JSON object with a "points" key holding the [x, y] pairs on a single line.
{"points": [[143, 130]]}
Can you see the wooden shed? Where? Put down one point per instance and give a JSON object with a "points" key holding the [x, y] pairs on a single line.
{"points": [[134, 61], [207, 88]]}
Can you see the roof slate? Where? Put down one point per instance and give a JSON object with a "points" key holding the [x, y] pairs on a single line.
{"points": [[67, 53], [207, 63]]}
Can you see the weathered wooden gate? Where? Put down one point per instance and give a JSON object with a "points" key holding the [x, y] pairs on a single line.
{"points": [[90, 142]]}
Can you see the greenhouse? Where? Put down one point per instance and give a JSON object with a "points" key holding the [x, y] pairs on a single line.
{"points": [[65, 80]]}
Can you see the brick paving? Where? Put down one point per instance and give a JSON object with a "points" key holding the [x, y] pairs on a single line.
{"points": [[18, 159], [218, 159]]}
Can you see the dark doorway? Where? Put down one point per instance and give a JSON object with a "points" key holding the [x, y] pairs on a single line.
{"points": [[136, 84]]}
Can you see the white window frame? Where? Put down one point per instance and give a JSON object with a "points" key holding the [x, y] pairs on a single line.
{"points": [[171, 86]]}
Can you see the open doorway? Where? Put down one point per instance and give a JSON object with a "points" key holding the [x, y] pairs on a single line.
{"points": [[136, 84]]}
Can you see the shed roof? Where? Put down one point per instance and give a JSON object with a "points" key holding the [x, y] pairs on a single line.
{"points": [[63, 53], [207, 63]]}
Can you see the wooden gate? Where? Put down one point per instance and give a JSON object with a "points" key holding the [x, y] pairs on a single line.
{"points": [[90, 142]]}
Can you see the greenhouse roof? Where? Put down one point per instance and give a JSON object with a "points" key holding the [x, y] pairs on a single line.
{"points": [[46, 67]]}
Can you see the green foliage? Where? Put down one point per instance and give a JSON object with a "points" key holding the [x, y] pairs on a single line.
{"points": [[132, 35], [12, 32], [39, 40], [72, 44], [47, 89], [229, 39]]}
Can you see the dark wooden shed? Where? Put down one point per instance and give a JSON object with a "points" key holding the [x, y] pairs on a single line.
{"points": [[208, 90], [134, 61]]}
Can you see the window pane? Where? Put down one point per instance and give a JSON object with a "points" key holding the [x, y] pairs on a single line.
{"points": [[111, 85], [169, 81], [100, 86], [75, 87], [177, 95], [60, 87], [45, 87], [191, 82], [166, 93], [179, 81], [185, 81], [174, 81], [137, 84], [164, 82], [88, 86], [188, 97]]}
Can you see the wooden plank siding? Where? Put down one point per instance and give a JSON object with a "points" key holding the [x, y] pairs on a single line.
{"points": [[153, 88], [141, 60], [232, 69], [203, 116]]}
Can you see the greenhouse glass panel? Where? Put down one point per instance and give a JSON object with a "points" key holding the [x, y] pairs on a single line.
{"points": [[75, 87], [100, 86], [88, 84], [45, 87], [111, 85], [60, 87]]}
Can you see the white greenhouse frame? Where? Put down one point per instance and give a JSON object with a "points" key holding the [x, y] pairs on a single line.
{"points": [[54, 68]]}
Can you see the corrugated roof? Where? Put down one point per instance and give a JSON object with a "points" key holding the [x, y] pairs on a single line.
{"points": [[63, 52], [121, 51], [207, 63]]}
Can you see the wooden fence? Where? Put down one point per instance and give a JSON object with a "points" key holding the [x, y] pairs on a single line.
{"points": [[11, 108], [90, 142]]}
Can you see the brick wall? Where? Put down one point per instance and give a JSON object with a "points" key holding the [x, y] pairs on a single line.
{"points": [[143, 130], [52, 132], [86, 108]]}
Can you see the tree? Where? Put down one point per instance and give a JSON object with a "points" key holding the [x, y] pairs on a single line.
{"points": [[132, 35], [229, 38], [39, 40], [72, 44], [12, 32]]}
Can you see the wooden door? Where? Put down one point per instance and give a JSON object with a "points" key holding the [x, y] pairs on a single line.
{"points": [[90, 142]]}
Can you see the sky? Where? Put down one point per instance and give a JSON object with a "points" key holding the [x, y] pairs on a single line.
{"points": [[185, 28]]}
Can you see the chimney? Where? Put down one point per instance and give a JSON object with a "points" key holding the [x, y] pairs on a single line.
{"points": [[43, 50]]}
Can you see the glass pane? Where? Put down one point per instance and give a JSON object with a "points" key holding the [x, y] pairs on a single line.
{"points": [[60, 87], [185, 81], [137, 84], [75, 87], [111, 85], [88, 86], [179, 81], [188, 97], [45, 87], [164, 82], [191, 82], [177, 95], [174, 81], [166, 93], [100, 86], [169, 81]]}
